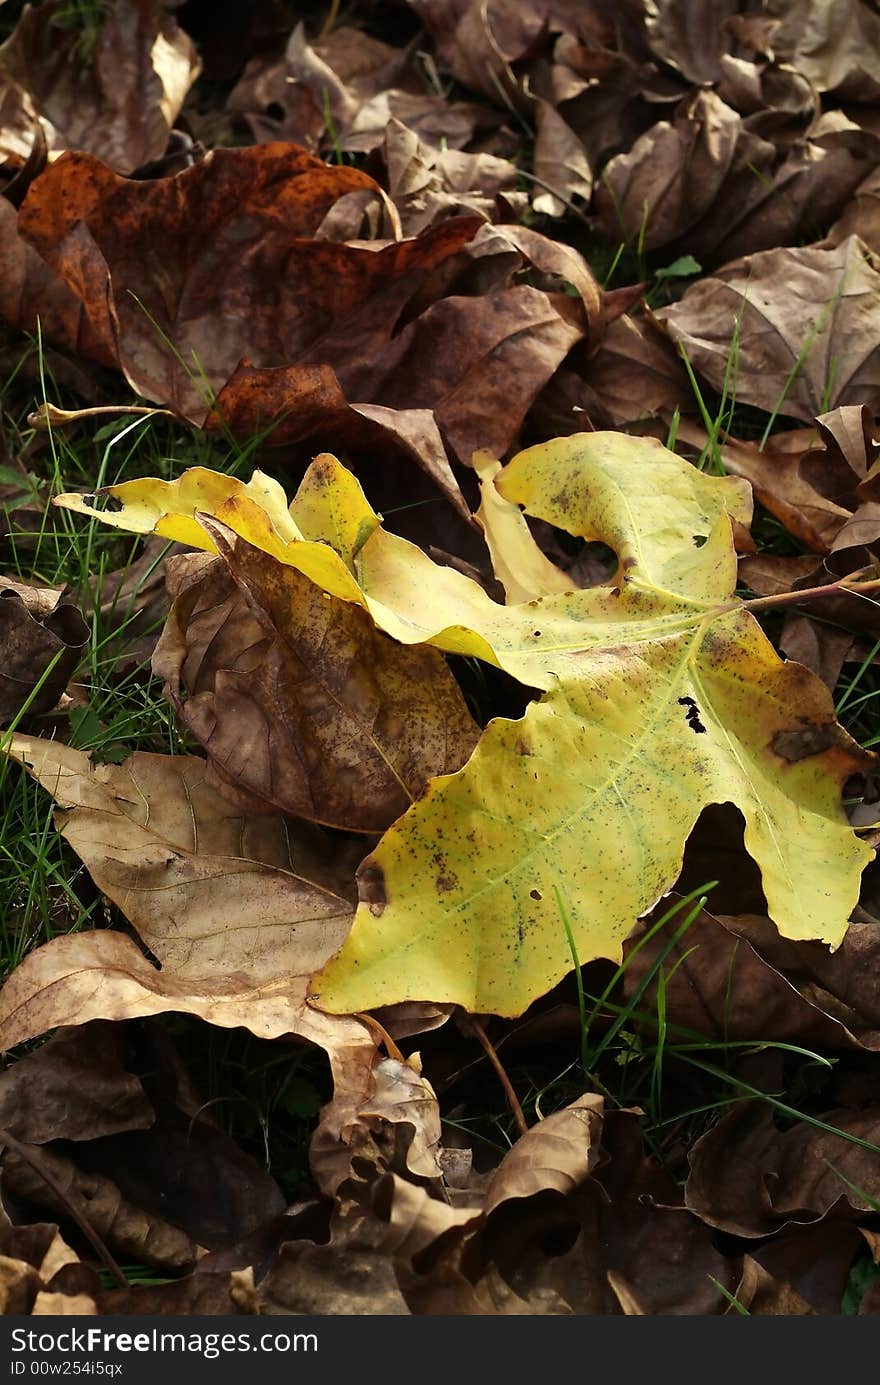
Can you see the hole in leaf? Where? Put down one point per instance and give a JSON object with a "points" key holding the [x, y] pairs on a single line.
{"points": [[102, 500], [699, 540]]}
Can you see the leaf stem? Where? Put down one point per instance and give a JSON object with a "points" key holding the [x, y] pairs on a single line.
{"points": [[794, 598], [471, 1022]]}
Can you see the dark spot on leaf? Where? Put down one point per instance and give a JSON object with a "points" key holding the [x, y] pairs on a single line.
{"points": [[699, 540], [445, 883], [535, 894], [371, 887], [522, 748], [807, 740], [537, 634]]}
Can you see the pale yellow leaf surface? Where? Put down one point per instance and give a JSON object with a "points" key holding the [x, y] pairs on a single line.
{"points": [[519, 564]]}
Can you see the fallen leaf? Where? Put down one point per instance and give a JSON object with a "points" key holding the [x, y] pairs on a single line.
{"points": [[238, 910], [99, 233], [834, 43], [42, 639], [793, 312], [627, 646], [298, 699], [118, 101], [749, 1178]]}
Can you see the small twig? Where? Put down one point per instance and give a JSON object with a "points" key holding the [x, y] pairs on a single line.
{"points": [[51, 1181], [472, 1023], [794, 598], [381, 1036]]}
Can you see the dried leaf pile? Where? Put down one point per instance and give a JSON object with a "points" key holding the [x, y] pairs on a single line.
{"points": [[440, 810]]}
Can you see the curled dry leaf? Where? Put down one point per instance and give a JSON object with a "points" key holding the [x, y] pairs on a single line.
{"points": [[792, 312], [42, 639], [363, 84], [428, 185], [298, 699], [751, 1179], [237, 909], [120, 101]]}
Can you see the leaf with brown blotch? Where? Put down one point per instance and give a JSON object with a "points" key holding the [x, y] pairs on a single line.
{"points": [[298, 699], [237, 274], [121, 100], [41, 642], [237, 909], [797, 310], [749, 1178]]}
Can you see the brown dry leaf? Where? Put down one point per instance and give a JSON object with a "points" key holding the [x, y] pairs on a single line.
{"points": [[709, 184], [110, 1103], [391, 1124], [30, 292], [41, 642], [635, 374], [118, 101], [30, 1258], [835, 44], [360, 82], [805, 307], [50, 1178], [74, 1087], [428, 185], [802, 485], [293, 404], [751, 1179], [231, 231], [238, 910], [719, 982], [691, 38], [861, 215], [680, 172], [298, 699], [398, 326], [560, 163]]}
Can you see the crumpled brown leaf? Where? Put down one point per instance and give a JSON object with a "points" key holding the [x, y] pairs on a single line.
{"points": [[239, 910], [41, 637], [428, 185], [119, 100], [751, 1179], [342, 90], [298, 699], [100, 1111], [799, 307]]}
